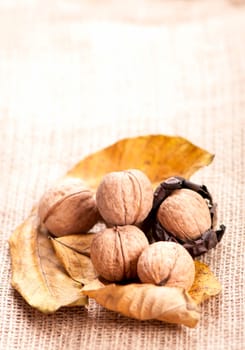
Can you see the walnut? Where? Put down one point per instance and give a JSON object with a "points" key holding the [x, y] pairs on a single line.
{"points": [[68, 207], [166, 264], [124, 197], [185, 214], [115, 251]]}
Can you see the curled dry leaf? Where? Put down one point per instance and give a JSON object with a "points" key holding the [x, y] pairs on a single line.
{"points": [[205, 284], [158, 156], [146, 302], [73, 252], [36, 271]]}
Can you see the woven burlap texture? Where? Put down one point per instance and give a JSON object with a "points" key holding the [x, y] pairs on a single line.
{"points": [[69, 87]]}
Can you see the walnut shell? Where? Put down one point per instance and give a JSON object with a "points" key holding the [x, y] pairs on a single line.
{"points": [[185, 214], [124, 197], [68, 207], [115, 252], [166, 264]]}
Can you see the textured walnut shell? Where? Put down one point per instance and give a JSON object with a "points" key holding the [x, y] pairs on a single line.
{"points": [[124, 197], [115, 252], [68, 207], [166, 264], [185, 214]]}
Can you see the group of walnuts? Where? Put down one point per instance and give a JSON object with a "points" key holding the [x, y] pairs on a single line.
{"points": [[121, 251]]}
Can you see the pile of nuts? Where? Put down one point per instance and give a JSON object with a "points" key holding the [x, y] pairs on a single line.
{"points": [[121, 251]]}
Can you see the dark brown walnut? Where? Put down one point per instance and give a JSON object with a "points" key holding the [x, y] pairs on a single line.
{"points": [[67, 208], [183, 212], [115, 252], [124, 197], [166, 264]]}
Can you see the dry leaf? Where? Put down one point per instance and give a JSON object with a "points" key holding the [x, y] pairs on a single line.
{"points": [[37, 273], [146, 302], [74, 254], [158, 156], [205, 284]]}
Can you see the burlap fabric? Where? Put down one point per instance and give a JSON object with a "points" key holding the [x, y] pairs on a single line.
{"points": [[71, 82]]}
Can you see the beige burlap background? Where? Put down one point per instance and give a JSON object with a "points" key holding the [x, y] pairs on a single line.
{"points": [[76, 76]]}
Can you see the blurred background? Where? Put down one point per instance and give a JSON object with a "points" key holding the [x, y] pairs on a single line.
{"points": [[73, 60]]}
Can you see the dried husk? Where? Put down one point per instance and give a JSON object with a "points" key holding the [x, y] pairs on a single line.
{"points": [[156, 232]]}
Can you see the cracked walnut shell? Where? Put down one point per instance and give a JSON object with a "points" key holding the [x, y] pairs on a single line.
{"points": [[166, 264], [185, 214], [115, 252], [124, 197], [68, 207]]}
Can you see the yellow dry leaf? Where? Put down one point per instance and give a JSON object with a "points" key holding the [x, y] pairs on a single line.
{"points": [[205, 284], [159, 156], [73, 252], [36, 271], [146, 302]]}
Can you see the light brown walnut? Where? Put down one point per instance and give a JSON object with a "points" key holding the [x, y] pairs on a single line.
{"points": [[115, 252], [166, 264], [67, 208], [185, 214], [124, 197]]}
